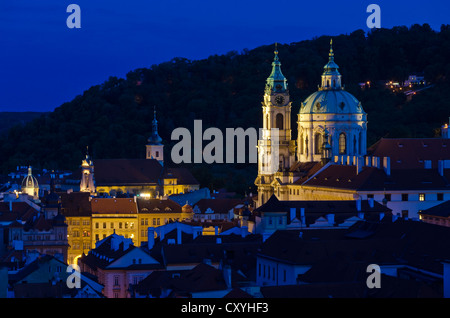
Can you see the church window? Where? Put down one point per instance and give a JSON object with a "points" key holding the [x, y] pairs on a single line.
{"points": [[359, 143], [302, 147], [342, 144], [317, 143], [267, 121], [279, 121]]}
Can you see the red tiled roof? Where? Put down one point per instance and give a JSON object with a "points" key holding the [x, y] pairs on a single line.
{"points": [[113, 205], [410, 153], [157, 206]]}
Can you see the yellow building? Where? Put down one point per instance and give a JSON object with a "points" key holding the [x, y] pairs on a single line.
{"points": [[114, 215], [76, 207], [156, 212]]}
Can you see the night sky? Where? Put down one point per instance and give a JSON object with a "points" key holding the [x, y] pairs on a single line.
{"points": [[43, 63]]}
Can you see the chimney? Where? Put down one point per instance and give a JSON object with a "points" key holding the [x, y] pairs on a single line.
{"points": [[196, 231], [162, 232], [179, 234], [244, 231], [394, 217], [371, 202], [387, 165], [330, 218], [292, 214], [151, 237], [227, 275], [216, 230], [302, 216], [441, 167], [358, 205]]}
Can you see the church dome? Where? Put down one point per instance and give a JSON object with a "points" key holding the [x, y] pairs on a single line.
{"points": [[331, 98], [332, 102], [30, 181]]}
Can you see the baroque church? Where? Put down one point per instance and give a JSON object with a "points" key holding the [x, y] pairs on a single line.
{"points": [[148, 177], [330, 122]]}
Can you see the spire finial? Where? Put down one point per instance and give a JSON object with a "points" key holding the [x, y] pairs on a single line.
{"points": [[331, 49]]}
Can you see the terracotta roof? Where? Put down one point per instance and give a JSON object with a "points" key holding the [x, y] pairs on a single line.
{"points": [[342, 209], [410, 153], [401, 242], [370, 178], [127, 171], [76, 204], [113, 205], [442, 210], [157, 206]]}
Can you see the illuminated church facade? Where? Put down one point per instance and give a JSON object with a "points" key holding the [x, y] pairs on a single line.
{"points": [[331, 122]]}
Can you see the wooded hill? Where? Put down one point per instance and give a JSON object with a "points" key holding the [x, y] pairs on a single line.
{"points": [[114, 118]]}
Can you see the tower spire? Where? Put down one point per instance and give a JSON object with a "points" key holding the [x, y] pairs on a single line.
{"points": [[331, 78], [154, 139], [276, 82]]}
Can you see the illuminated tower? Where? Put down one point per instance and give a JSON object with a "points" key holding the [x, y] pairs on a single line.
{"points": [[87, 183], [276, 150]]}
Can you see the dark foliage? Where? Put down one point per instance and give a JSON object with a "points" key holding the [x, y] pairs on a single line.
{"points": [[114, 118]]}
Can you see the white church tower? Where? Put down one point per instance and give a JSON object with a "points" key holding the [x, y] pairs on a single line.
{"points": [[276, 149]]}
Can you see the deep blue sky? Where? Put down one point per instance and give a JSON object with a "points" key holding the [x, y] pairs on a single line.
{"points": [[44, 64]]}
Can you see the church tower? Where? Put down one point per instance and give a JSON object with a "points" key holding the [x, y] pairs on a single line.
{"points": [[333, 117], [87, 174], [154, 147], [276, 150]]}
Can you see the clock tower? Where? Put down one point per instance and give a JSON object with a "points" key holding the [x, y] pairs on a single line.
{"points": [[276, 149]]}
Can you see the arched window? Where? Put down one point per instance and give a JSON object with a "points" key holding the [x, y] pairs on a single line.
{"points": [[355, 151], [279, 121], [317, 144], [359, 143], [342, 144], [302, 144], [267, 122]]}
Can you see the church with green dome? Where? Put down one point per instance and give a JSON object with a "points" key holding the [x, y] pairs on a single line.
{"points": [[330, 122]]}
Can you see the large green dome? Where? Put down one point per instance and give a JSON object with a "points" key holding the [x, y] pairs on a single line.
{"points": [[331, 102]]}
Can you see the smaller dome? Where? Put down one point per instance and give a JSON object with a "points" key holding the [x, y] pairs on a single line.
{"points": [[30, 182]]}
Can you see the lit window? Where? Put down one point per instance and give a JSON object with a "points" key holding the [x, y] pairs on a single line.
{"points": [[421, 196], [342, 144]]}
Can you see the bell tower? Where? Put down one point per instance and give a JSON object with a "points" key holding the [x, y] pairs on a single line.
{"points": [[87, 174], [276, 149], [154, 147]]}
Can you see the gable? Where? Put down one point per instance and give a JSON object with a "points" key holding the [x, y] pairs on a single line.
{"points": [[132, 258]]}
